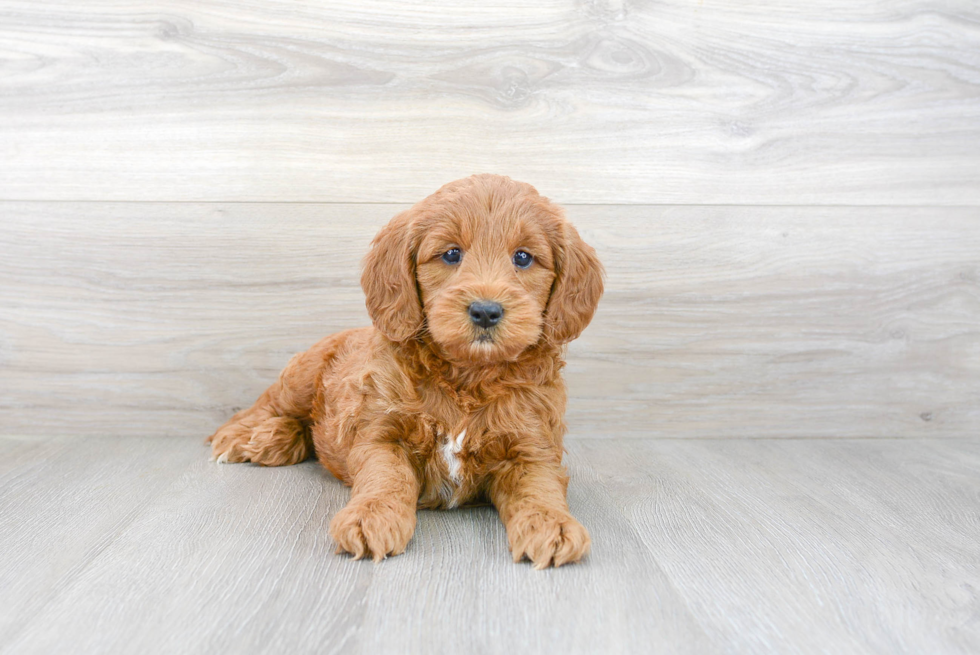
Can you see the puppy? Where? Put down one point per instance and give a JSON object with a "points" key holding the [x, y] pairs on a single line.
{"points": [[455, 395]]}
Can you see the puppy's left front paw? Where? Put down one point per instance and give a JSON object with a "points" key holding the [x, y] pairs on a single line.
{"points": [[547, 538]]}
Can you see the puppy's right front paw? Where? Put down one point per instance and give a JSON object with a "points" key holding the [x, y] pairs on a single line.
{"points": [[375, 527]]}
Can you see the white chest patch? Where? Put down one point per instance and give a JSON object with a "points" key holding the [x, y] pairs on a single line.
{"points": [[450, 454]]}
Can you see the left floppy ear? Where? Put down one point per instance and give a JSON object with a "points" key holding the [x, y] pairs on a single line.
{"points": [[576, 290], [388, 281]]}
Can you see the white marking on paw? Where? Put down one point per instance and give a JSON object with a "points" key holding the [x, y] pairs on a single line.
{"points": [[222, 458]]}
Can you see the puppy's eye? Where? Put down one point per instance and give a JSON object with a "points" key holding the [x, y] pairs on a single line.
{"points": [[452, 256], [522, 259]]}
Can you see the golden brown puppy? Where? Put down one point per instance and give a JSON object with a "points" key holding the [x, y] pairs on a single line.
{"points": [[455, 395]]}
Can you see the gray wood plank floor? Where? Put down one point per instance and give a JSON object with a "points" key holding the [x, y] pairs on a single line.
{"points": [[700, 546]]}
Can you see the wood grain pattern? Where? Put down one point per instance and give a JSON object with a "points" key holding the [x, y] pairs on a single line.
{"points": [[785, 198], [161, 319], [239, 558], [63, 505], [862, 545], [700, 546], [679, 102]]}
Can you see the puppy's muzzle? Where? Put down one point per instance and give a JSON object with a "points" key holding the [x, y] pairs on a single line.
{"points": [[485, 313]]}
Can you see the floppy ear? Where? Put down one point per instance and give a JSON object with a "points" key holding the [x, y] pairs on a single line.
{"points": [[388, 281], [576, 290]]}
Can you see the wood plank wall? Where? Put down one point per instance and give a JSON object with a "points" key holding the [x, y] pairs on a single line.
{"points": [[786, 197]]}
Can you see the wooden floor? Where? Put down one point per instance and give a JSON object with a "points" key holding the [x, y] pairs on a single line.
{"points": [[142, 545]]}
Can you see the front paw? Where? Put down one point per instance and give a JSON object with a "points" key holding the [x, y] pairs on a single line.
{"points": [[373, 527], [547, 537]]}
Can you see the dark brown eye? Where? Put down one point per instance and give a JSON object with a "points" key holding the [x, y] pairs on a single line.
{"points": [[452, 256], [522, 259]]}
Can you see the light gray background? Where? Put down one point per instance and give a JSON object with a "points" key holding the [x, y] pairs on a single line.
{"points": [[773, 418]]}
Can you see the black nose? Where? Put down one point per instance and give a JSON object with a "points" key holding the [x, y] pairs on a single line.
{"points": [[485, 313]]}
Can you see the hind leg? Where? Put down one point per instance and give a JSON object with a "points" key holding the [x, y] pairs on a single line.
{"points": [[275, 430], [261, 436]]}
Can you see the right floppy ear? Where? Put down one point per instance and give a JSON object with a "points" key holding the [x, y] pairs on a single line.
{"points": [[388, 281]]}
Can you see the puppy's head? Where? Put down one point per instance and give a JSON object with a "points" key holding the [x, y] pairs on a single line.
{"points": [[487, 266]]}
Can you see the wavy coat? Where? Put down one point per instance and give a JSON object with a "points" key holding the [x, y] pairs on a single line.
{"points": [[428, 408]]}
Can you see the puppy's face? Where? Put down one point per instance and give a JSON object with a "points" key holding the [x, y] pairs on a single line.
{"points": [[485, 269], [487, 266]]}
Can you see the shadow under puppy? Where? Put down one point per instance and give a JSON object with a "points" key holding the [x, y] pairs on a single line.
{"points": [[455, 394]]}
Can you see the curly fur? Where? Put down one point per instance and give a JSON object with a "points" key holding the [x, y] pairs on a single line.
{"points": [[427, 409]]}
